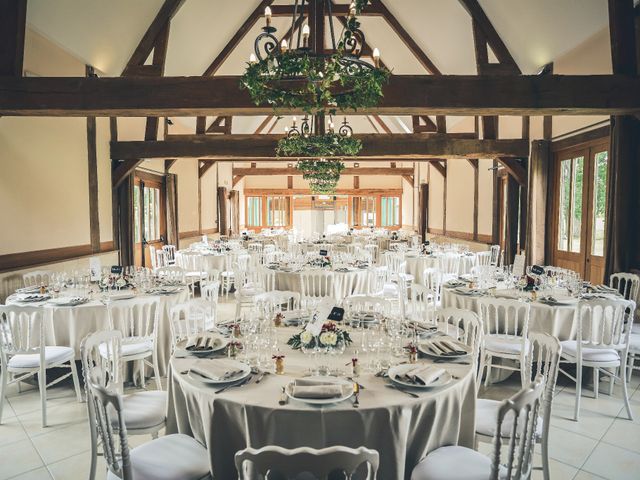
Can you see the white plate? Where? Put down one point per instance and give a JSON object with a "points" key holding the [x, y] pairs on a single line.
{"points": [[182, 351], [119, 296], [347, 390], [246, 371], [424, 348], [68, 301], [396, 374]]}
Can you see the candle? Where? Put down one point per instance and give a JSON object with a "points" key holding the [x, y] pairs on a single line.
{"points": [[253, 58], [352, 9], [305, 34], [284, 46], [267, 15], [376, 57]]}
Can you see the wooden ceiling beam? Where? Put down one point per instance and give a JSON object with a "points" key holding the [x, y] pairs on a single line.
{"points": [[337, 9], [204, 166], [440, 166], [395, 147], [404, 95], [123, 170], [515, 168], [168, 163], [13, 20], [418, 127], [347, 171]]}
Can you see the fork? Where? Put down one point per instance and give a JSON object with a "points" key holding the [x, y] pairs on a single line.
{"points": [[356, 393], [238, 385], [411, 394]]}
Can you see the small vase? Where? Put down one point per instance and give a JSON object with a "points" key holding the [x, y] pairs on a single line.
{"points": [[280, 366], [413, 357]]}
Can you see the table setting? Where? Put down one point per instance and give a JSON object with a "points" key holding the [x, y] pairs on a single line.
{"points": [[348, 385]]}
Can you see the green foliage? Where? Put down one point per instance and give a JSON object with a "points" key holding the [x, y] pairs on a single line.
{"points": [[328, 145], [323, 175], [315, 84]]}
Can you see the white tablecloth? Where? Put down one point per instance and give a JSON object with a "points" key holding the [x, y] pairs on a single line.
{"points": [[214, 262], [70, 325], [292, 281], [556, 320], [401, 428], [416, 265]]}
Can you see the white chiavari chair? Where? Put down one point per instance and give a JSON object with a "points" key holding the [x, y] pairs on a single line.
{"points": [[449, 265], [162, 259], [628, 284], [248, 284], [24, 353], [495, 255], [373, 250], [37, 278], [433, 281], [367, 304], [544, 362], [153, 258], [186, 320], [171, 273], [278, 462], [462, 325], [209, 296], [170, 250], [137, 319], [268, 280], [170, 457], [422, 304], [144, 412], [193, 265], [602, 343], [506, 327], [317, 284], [512, 457], [282, 301], [483, 258]]}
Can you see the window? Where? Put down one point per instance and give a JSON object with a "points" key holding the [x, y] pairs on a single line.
{"points": [[570, 211], [390, 212], [364, 211], [150, 214], [254, 211], [277, 211], [599, 203]]}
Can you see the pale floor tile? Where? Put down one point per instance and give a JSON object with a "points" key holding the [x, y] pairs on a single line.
{"points": [[23, 458], [570, 448], [557, 470], [58, 416], [604, 404], [592, 424], [76, 467], [613, 462], [37, 474], [582, 475], [62, 443], [11, 431], [625, 434]]}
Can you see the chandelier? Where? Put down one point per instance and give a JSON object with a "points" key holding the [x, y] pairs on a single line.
{"points": [[289, 73]]}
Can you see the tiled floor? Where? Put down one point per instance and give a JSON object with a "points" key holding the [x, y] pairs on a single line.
{"points": [[604, 444]]}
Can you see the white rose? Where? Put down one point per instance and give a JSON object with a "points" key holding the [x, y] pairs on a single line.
{"points": [[328, 338], [306, 337]]}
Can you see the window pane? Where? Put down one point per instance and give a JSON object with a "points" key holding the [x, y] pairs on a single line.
{"points": [[254, 211], [599, 202], [576, 207], [136, 214], [390, 214], [565, 203]]}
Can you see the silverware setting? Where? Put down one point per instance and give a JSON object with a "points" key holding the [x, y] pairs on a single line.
{"points": [[235, 385], [261, 376], [360, 386], [284, 399], [411, 394], [356, 394]]}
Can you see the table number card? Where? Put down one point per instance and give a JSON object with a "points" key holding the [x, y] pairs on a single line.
{"points": [[95, 267], [518, 265], [116, 269], [323, 253]]}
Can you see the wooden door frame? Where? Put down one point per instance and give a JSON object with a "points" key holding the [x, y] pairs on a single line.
{"points": [[142, 179]]}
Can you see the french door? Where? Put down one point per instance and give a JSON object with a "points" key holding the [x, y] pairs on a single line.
{"points": [[579, 206], [150, 216]]}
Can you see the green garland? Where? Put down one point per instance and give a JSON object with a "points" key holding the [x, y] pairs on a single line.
{"points": [[322, 175], [316, 146], [298, 80]]}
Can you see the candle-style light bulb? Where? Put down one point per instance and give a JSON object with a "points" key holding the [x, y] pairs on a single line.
{"points": [[253, 58], [284, 46], [295, 119], [376, 57], [305, 33], [267, 15], [286, 129], [352, 9]]}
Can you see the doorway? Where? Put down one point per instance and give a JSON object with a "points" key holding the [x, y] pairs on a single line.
{"points": [[149, 211], [579, 208]]}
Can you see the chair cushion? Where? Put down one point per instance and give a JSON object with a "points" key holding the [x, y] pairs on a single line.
{"points": [[454, 463], [498, 344], [130, 346], [144, 410], [52, 356], [569, 349], [487, 419], [172, 457]]}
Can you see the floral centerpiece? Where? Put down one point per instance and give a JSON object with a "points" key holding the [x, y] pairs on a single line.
{"points": [[330, 337]]}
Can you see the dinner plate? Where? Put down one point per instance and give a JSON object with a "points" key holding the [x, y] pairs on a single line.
{"points": [[119, 296], [423, 347], [347, 389], [244, 373], [181, 349], [68, 301], [32, 298], [396, 374]]}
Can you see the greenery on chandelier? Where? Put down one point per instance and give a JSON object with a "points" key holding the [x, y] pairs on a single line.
{"points": [[323, 175], [315, 146], [300, 80]]}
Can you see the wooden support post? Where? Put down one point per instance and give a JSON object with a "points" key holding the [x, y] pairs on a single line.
{"points": [[13, 18], [511, 230], [92, 168], [476, 182]]}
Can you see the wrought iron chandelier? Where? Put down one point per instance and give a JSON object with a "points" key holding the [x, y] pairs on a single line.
{"points": [[296, 71]]}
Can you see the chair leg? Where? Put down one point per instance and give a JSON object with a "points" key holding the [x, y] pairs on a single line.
{"points": [[76, 380], [625, 393], [612, 380], [489, 362], [630, 361], [156, 370], [42, 384], [3, 387], [544, 452], [480, 370], [576, 413], [596, 382], [523, 373]]}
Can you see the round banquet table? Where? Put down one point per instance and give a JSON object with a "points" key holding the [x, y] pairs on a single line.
{"points": [[401, 428], [415, 265], [68, 326], [292, 281], [556, 320]]}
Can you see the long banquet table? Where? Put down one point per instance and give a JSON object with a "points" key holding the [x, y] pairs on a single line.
{"points": [[403, 429]]}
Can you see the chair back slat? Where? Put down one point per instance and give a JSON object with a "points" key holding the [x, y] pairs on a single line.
{"points": [[172, 273], [604, 323], [628, 284], [136, 317], [37, 278], [22, 330], [463, 325], [504, 316]]}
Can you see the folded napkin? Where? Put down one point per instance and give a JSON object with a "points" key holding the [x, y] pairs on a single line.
{"points": [[216, 370], [202, 342], [425, 374], [316, 389], [449, 347]]}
